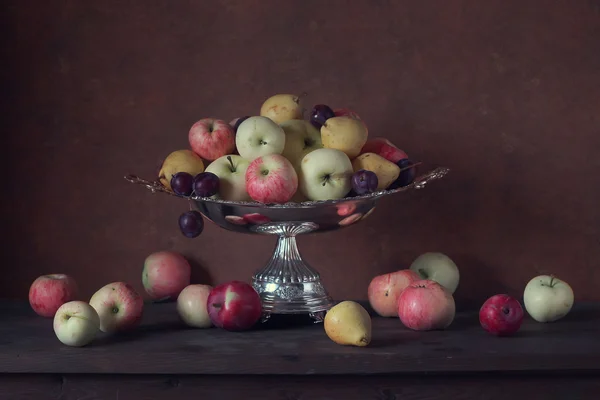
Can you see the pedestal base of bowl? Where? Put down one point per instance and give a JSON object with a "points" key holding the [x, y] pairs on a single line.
{"points": [[288, 284]]}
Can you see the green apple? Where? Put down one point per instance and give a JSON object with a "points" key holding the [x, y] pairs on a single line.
{"points": [[301, 137], [547, 298], [437, 267], [231, 170], [325, 174], [259, 136]]}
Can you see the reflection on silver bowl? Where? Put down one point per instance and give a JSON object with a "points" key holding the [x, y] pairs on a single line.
{"points": [[287, 284]]}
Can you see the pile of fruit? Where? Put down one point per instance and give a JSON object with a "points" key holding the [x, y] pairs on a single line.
{"points": [[118, 307], [421, 297], [278, 157]]}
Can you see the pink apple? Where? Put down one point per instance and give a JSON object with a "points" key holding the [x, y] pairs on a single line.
{"points": [[192, 305], [501, 315], [212, 138], [271, 179], [426, 305], [345, 112], [119, 306], [165, 274], [384, 148], [384, 291], [234, 306], [48, 292]]}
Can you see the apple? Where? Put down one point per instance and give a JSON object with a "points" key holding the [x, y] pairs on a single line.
{"points": [[119, 307], [437, 267], [384, 291], [48, 292], [258, 136], [548, 298], [344, 133], [212, 138], [345, 112], [165, 274], [271, 179], [501, 315], [282, 107], [234, 306], [426, 305], [387, 172], [301, 137], [325, 174], [76, 323], [192, 305], [179, 161], [231, 170], [384, 148]]}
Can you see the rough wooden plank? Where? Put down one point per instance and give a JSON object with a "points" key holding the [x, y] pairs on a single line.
{"points": [[163, 345], [155, 387]]}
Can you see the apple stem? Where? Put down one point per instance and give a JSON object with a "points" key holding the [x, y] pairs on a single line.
{"points": [[217, 305], [231, 163], [551, 281], [423, 273], [299, 97]]}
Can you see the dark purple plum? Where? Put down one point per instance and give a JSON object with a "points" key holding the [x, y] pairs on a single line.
{"points": [[364, 182], [191, 224], [239, 121], [407, 176], [319, 114], [181, 183], [206, 184]]}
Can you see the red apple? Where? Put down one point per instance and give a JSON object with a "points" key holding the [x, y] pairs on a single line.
{"points": [[384, 148], [426, 305], [119, 306], [345, 112], [234, 306], [212, 138], [501, 315], [271, 179], [384, 291], [165, 274], [48, 292]]}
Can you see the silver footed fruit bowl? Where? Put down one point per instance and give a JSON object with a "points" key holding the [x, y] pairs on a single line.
{"points": [[287, 284]]}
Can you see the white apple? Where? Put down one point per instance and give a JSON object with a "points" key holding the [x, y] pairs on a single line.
{"points": [[259, 136], [547, 298], [271, 179], [325, 174], [119, 306], [76, 323], [192, 307], [301, 137], [231, 170], [437, 267]]}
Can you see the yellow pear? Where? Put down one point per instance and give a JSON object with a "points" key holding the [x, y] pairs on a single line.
{"points": [[344, 133], [349, 324], [180, 161], [282, 107], [387, 172]]}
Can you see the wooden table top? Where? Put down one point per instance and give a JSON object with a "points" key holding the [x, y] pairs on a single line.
{"points": [[163, 345]]}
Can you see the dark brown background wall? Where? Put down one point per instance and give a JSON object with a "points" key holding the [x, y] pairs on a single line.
{"points": [[505, 93]]}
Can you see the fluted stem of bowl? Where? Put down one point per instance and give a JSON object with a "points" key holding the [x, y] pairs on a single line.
{"points": [[286, 264]]}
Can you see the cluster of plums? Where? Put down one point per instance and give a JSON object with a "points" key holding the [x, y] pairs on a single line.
{"points": [[204, 184]]}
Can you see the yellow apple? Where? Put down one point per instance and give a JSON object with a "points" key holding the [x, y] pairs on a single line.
{"points": [[180, 161], [344, 133], [282, 107], [387, 172]]}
